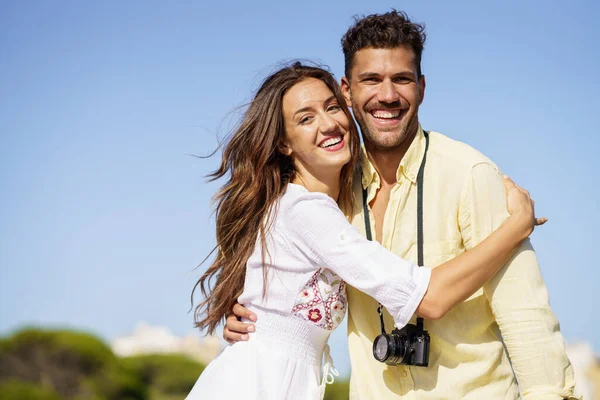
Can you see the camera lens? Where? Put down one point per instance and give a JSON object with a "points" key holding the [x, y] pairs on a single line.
{"points": [[381, 348]]}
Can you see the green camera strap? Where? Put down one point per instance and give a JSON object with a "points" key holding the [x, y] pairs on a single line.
{"points": [[419, 222]]}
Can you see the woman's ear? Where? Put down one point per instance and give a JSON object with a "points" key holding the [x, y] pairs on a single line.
{"points": [[284, 148]]}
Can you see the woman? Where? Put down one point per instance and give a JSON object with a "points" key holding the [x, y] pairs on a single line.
{"points": [[286, 248]]}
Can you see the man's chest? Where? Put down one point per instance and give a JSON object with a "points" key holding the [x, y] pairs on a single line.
{"points": [[378, 207], [393, 215]]}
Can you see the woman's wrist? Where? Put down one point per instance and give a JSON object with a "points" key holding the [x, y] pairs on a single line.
{"points": [[521, 225]]}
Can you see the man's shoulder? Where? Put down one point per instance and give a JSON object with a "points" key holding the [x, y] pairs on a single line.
{"points": [[456, 152]]}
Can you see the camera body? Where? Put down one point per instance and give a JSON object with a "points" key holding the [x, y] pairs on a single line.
{"points": [[407, 346]]}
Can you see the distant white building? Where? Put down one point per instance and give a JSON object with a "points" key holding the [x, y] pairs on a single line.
{"points": [[147, 339], [587, 370]]}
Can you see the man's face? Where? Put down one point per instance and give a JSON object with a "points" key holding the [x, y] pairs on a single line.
{"points": [[385, 92]]}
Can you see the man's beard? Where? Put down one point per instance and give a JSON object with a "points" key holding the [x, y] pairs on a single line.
{"points": [[388, 140]]}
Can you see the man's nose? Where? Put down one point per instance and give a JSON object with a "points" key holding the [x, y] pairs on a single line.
{"points": [[387, 92]]}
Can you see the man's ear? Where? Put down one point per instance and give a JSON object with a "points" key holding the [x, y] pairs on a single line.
{"points": [[421, 89], [345, 87]]}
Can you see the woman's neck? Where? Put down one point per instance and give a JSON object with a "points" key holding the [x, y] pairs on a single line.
{"points": [[328, 184]]}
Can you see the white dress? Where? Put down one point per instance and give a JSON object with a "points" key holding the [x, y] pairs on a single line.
{"points": [[312, 252]]}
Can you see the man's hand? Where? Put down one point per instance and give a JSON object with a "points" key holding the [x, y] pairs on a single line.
{"points": [[235, 330]]}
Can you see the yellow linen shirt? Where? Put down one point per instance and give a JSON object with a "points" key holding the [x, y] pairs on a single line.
{"points": [[463, 202]]}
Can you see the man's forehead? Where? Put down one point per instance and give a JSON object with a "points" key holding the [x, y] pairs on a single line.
{"points": [[383, 60]]}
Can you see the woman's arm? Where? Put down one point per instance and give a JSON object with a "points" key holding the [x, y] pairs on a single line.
{"points": [[457, 279], [315, 225], [449, 284]]}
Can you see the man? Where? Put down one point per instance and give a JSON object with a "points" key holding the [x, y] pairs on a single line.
{"points": [[463, 202]]}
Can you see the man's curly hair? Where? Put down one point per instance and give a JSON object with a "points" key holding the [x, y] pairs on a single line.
{"points": [[383, 31]]}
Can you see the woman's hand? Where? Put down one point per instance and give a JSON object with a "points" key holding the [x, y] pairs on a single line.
{"points": [[521, 206]]}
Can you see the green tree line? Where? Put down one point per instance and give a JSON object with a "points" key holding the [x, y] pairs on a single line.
{"points": [[51, 364]]}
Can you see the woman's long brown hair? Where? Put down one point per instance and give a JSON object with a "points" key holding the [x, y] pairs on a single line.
{"points": [[258, 175]]}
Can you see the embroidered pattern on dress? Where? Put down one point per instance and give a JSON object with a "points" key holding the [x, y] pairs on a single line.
{"points": [[323, 300]]}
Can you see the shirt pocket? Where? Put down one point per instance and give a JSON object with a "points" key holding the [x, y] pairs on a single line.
{"points": [[437, 253]]}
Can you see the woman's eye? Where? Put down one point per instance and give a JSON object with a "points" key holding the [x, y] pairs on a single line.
{"points": [[334, 107], [304, 120]]}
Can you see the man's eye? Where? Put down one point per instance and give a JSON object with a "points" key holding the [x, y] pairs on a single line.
{"points": [[334, 107]]}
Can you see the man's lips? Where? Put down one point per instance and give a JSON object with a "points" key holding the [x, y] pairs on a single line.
{"points": [[387, 117], [385, 114]]}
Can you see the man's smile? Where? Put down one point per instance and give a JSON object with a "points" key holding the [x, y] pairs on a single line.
{"points": [[386, 117]]}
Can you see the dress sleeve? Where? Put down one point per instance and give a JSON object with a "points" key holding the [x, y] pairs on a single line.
{"points": [[316, 226]]}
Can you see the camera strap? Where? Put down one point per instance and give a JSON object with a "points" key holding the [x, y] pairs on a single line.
{"points": [[419, 222]]}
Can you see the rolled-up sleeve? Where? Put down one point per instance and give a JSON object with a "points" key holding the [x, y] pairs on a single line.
{"points": [[517, 294], [318, 228]]}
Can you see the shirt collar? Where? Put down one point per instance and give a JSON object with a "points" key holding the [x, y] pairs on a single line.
{"points": [[369, 173], [409, 166]]}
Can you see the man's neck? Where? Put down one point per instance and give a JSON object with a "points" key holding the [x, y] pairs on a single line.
{"points": [[386, 162]]}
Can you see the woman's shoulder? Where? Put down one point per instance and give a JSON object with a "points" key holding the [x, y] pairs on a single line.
{"points": [[300, 209], [296, 195]]}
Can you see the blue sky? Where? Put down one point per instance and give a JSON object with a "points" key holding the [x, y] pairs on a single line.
{"points": [[104, 214]]}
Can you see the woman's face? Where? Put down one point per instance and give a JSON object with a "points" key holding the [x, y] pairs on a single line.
{"points": [[316, 129]]}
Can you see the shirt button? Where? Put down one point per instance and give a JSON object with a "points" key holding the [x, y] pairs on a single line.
{"points": [[342, 236], [404, 374]]}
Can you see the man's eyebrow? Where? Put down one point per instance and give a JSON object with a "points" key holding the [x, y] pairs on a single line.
{"points": [[404, 73], [310, 108], [366, 75]]}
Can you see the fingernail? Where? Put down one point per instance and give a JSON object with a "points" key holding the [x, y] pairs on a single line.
{"points": [[244, 337], [252, 317], [251, 328]]}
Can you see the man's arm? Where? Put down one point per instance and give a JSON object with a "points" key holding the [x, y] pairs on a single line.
{"points": [[517, 294], [235, 330]]}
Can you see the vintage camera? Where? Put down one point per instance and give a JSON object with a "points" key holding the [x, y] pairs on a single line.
{"points": [[408, 346]]}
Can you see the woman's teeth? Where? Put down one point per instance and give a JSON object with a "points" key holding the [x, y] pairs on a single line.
{"points": [[331, 142]]}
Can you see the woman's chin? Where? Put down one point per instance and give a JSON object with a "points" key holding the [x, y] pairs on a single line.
{"points": [[335, 166], [339, 158]]}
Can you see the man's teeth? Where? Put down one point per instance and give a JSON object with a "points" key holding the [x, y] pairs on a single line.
{"points": [[386, 114], [331, 142]]}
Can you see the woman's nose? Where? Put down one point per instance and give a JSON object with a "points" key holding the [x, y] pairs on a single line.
{"points": [[328, 124]]}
